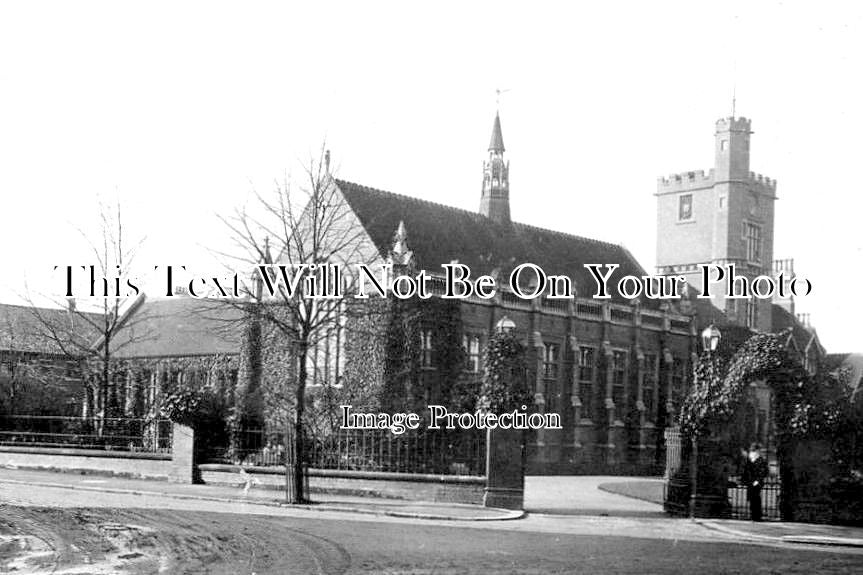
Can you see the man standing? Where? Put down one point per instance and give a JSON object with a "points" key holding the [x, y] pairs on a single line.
{"points": [[755, 471]]}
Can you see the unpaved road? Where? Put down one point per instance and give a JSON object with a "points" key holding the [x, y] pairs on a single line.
{"points": [[46, 529], [102, 541]]}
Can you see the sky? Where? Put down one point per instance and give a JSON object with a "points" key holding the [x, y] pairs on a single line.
{"points": [[181, 110]]}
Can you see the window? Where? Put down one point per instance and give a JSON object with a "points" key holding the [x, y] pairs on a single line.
{"points": [[648, 386], [684, 211], [426, 348], [148, 379], [586, 377], [551, 356], [618, 380], [470, 343], [327, 354], [723, 145], [751, 313], [678, 379], [752, 236]]}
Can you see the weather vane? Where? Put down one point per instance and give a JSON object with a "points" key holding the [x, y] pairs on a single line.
{"points": [[498, 91]]}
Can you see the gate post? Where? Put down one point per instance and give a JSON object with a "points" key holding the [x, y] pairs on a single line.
{"points": [[505, 464], [182, 466]]}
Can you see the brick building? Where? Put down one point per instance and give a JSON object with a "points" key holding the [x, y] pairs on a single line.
{"points": [[615, 370]]}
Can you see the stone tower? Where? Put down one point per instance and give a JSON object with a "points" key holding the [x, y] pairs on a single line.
{"points": [[721, 217], [494, 202]]}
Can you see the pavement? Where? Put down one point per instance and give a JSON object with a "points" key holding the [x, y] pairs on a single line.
{"points": [[256, 495], [570, 503]]}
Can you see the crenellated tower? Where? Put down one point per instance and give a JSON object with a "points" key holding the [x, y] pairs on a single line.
{"points": [[494, 202], [724, 216]]}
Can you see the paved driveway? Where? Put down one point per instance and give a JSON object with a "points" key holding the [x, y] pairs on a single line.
{"points": [[580, 495]]}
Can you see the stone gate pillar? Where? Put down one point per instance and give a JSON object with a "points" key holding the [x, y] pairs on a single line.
{"points": [[505, 465]]}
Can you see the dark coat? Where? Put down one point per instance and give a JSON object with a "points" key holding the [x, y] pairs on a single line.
{"points": [[755, 471]]}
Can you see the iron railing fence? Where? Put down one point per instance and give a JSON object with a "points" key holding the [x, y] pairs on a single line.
{"points": [[770, 497], [439, 452], [110, 433], [738, 501]]}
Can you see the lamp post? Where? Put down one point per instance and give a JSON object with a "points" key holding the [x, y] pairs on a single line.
{"points": [[710, 341]]}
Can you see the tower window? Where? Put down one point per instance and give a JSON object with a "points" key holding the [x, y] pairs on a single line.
{"points": [[684, 210], [723, 145], [752, 236], [751, 313]]}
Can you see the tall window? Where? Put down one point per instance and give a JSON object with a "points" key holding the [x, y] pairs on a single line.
{"points": [[426, 348], [684, 207], [752, 235], [551, 357], [618, 380], [586, 377], [751, 313], [470, 343], [648, 386], [327, 355], [678, 379], [147, 383]]}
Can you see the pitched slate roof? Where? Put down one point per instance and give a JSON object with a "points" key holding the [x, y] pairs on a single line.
{"points": [[22, 328], [439, 234], [179, 326]]}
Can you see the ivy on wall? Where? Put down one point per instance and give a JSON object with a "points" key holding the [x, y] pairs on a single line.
{"points": [[504, 383], [719, 382], [404, 386]]}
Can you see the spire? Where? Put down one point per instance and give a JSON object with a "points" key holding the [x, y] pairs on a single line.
{"points": [[496, 143], [494, 202]]}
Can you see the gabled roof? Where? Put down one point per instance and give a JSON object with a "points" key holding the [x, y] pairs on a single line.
{"points": [[853, 362], [439, 234], [784, 319], [179, 326], [23, 328]]}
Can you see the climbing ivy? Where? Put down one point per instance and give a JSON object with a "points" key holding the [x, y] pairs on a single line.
{"points": [[719, 384], [504, 383], [404, 383]]}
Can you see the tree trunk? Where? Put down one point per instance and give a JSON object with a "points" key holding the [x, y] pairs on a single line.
{"points": [[297, 494]]}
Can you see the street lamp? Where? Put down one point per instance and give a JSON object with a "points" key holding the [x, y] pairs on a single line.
{"points": [[505, 325], [710, 338]]}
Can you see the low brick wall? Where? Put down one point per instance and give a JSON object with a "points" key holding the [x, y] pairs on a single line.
{"points": [[410, 486], [176, 466]]}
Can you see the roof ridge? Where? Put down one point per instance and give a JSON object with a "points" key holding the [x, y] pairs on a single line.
{"points": [[476, 214], [44, 308], [569, 235], [412, 198]]}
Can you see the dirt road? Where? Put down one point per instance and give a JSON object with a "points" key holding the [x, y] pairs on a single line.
{"points": [[103, 541]]}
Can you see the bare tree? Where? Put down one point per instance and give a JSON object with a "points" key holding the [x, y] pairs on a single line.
{"points": [[94, 335], [306, 226]]}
